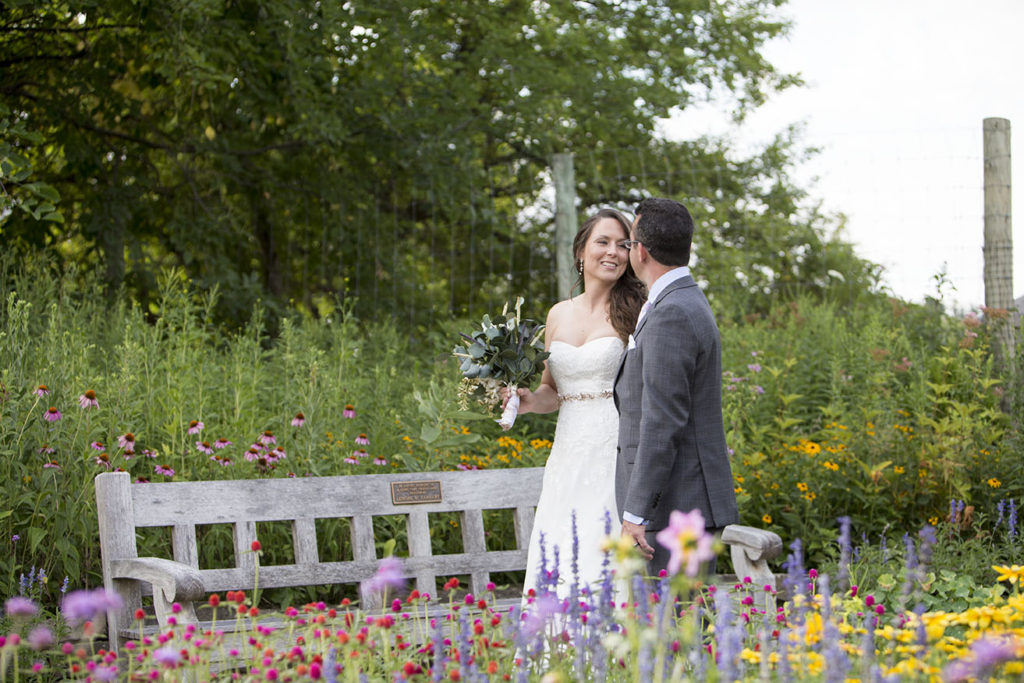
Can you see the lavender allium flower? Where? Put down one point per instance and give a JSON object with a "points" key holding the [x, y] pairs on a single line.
{"points": [[298, 420], [688, 541], [195, 426], [83, 605], [167, 657], [389, 575], [104, 673], [40, 638], [15, 538], [20, 606], [52, 414], [88, 400]]}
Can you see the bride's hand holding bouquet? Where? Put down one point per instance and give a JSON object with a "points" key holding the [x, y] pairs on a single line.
{"points": [[503, 355]]}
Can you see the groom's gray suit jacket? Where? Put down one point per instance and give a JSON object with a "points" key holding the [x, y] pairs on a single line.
{"points": [[671, 452]]}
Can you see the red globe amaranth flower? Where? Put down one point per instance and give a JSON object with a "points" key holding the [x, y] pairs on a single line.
{"points": [[256, 547]]}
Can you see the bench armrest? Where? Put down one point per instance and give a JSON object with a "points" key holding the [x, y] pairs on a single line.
{"points": [[757, 544], [173, 582]]}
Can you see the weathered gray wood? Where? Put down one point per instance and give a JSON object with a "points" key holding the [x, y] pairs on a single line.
{"points": [[998, 247], [418, 531], [522, 518], [183, 543], [364, 550], [244, 534], [304, 541], [171, 581], [473, 541], [263, 500], [563, 176], [117, 542]]}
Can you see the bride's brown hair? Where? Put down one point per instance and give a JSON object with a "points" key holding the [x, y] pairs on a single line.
{"points": [[628, 293]]}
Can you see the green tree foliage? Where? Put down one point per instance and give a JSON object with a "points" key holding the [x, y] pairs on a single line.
{"points": [[388, 153]]}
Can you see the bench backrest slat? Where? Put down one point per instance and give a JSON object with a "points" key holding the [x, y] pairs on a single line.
{"points": [[183, 542], [304, 541], [263, 500]]}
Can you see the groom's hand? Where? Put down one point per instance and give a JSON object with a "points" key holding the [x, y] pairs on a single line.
{"points": [[638, 534]]}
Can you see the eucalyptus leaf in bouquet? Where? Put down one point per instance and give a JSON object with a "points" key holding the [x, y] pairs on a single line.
{"points": [[506, 351]]}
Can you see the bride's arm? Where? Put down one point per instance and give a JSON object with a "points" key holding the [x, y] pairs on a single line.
{"points": [[545, 398]]}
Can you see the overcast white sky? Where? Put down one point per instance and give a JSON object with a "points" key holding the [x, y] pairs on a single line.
{"points": [[896, 94]]}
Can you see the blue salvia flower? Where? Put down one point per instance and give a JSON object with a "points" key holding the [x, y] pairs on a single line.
{"points": [[953, 517], [1012, 521], [837, 664], [796, 579], [64, 586], [41, 575], [331, 666], [440, 655], [844, 553], [883, 545], [1000, 508], [869, 667], [924, 549], [466, 660], [729, 645], [22, 585], [785, 671]]}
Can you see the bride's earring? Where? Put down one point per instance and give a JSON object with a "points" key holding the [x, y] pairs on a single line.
{"points": [[579, 266]]}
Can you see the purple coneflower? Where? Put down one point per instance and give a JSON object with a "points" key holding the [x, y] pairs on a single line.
{"points": [[149, 453], [349, 411], [221, 460], [103, 460], [363, 440], [221, 443], [204, 447], [298, 420], [52, 465], [379, 461], [42, 390], [40, 638], [51, 415], [359, 453], [97, 446], [164, 470], [195, 426], [277, 454], [88, 400], [351, 461], [126, 441], [45, 449], [253, 454], [267, 438], [20, 606]]}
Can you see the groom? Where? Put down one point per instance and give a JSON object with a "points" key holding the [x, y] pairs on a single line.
{"points": [[671, 453]]}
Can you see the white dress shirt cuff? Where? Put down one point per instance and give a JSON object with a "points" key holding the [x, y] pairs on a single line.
{"points": [[628, 516]]}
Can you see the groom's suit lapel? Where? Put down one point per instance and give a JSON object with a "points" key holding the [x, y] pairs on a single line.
{"points": [[681, 283]]}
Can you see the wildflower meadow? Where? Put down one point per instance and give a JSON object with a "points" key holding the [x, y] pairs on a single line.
{"points": [[881, 443]]}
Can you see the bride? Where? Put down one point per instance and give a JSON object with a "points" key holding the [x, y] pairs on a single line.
{"points": [[585, 336]]}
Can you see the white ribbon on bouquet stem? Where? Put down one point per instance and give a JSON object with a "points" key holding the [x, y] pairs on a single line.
{"points": [[508, 415]]}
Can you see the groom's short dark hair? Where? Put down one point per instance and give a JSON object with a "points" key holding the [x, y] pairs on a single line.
{"points": [[665, 228]]}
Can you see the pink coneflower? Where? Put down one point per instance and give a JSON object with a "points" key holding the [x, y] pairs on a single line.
{"points": [[349, 411], [42, 390], [164, 470], [204, 447], [45, 449], [195, 426], [52, 465], [97, 446], [277, 454], [267, 438], [126, 441], [253, 454], [298, 420], [359, 453], [88, 400], [351, 461], [221, 460], [221, 443], [363, 440], [129, 453], [379, 461], [51, 415], [149, 453], [103, 460]]}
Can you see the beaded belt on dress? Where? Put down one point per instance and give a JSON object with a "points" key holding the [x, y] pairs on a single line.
{"points": [[562, 398]]}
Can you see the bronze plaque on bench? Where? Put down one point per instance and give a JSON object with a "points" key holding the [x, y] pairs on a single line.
{"points": [[409, 492]]}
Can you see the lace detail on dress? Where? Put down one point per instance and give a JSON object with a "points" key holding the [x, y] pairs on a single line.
{"points": [[580, 472]]}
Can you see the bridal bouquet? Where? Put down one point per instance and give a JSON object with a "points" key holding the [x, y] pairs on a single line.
{"points": [[505, 351]]}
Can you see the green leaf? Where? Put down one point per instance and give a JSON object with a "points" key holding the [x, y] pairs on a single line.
{"points": [[430, 432], [35, 537]]}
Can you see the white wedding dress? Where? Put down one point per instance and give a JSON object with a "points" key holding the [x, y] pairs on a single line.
{"points": [[580, 472]]}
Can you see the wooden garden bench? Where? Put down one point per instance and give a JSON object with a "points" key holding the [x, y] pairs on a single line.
{"points": [[124, 507]]}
